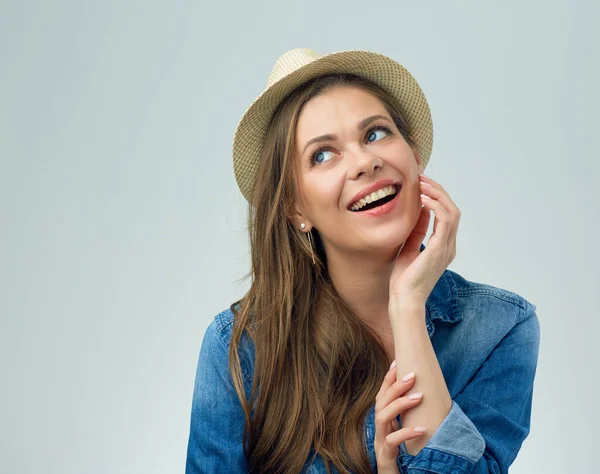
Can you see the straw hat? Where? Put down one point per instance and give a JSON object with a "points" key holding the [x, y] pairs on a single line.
{"points": [[301, 64]]}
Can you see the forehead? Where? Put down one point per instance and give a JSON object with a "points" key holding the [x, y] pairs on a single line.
{"points": [[336, 109]]}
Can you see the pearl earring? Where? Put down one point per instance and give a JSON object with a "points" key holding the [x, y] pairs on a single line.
{"points": [[303, 225]]}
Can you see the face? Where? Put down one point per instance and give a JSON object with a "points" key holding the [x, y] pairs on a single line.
{"points": [[357, 155]]}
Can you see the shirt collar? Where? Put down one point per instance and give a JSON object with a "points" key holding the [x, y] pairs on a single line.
{"points": [[442, 303]]}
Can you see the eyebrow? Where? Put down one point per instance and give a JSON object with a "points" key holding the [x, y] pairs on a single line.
{"points": [[329, 137]]}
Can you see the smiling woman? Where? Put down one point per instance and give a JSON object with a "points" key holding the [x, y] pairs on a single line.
{"points": [[296, 376]]}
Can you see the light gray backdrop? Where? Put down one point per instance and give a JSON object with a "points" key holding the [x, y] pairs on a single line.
{"points": [[122, 231]]}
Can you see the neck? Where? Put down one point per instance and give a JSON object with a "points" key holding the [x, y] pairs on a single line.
{"points": [[362, 280]]}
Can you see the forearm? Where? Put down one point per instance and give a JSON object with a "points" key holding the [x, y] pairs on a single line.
{"points": [[414, 353]]}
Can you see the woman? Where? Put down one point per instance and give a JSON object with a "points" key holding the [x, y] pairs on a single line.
{"points": [[306, 373]]}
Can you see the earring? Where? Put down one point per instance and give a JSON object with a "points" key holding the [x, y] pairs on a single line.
{"points": [[311, 243], [312, 247]]}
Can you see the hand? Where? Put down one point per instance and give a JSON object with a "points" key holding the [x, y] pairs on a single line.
{"points": [[388, 405], [415, 273]]}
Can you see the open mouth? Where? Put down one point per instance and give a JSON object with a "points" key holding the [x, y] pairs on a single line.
{"points": [[363, 205]]}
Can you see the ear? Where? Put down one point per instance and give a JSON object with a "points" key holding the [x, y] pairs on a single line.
{"points": [[297, 218], [419, 161]]}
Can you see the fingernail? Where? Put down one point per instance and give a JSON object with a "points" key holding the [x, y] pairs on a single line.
{"points": [[393, 364], [415, 396], [420, 429], [407, 377]]}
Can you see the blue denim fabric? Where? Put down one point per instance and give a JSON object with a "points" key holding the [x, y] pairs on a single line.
{"points": [[486, 340]]}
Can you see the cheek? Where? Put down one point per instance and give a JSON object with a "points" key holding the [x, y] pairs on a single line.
{"points": [[323, 198]]}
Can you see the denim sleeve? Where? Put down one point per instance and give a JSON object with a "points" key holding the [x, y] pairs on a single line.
{"points": [[217, 418], [490, 418]]}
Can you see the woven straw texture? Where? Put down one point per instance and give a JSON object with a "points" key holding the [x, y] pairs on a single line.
{"points": [[301, 64]]}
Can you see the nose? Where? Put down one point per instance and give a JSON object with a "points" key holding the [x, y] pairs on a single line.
{"points": [[364, 164]]}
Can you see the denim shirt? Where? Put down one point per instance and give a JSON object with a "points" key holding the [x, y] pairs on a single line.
{"points": [[486, 340]]}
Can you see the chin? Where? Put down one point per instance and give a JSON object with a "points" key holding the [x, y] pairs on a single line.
{"points": [[383, 240]]}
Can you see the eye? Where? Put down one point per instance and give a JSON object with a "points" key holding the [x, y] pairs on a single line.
{"points": [[316, 158], [377, 128]]}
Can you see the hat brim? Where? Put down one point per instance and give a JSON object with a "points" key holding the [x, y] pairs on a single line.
{"points": [[389, 74]]}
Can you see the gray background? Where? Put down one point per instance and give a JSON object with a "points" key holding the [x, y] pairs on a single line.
{"points": [[122, 231]]}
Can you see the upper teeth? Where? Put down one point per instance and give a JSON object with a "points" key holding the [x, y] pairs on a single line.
{"points": [[374, 196]]}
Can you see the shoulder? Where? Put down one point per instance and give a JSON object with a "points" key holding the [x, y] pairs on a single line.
{"points": [[489, 299], [498, 328], [221, 326], [489, 313], [219, 332]]}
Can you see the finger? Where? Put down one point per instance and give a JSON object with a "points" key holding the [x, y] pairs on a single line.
{"points": [[419, 231], [388, 380], [395, 391], [385, 416], [448, 219], [437, 194], [395, 439], [383, 430], [442, 222], [440, 193]]}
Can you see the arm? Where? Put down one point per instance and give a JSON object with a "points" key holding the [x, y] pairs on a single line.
{"points": [[414, 353], [490, 418], [217, 418]]}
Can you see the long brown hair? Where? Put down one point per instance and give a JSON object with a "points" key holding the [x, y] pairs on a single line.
{"points": [[318, 366]]}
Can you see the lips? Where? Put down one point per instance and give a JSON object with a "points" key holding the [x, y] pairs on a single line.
{"points": [[385, 208], [376, 199], [373, 187]]}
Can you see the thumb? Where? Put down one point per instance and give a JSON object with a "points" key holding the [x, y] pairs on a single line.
{"points": [[416, 237]]}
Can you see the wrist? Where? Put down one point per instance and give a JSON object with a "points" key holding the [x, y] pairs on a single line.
{"points": [[403, 305], [406, 314], [388, 468]]}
